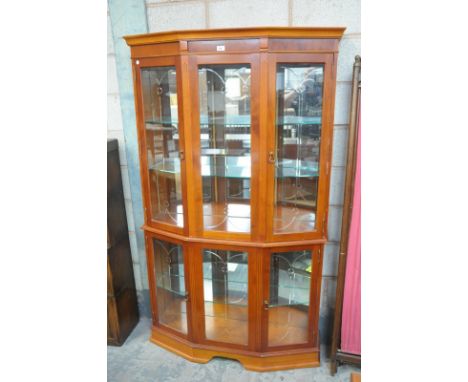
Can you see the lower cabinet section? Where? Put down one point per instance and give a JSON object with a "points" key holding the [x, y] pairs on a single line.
{"points": [[258, 305]]}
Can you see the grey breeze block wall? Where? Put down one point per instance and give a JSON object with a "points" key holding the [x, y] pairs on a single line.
{"points": [[163, 15]]}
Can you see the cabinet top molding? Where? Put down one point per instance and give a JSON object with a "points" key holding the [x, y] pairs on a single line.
{"points": [[238, 33]]}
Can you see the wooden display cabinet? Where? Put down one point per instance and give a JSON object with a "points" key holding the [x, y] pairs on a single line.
{"points": [[235, 138]]}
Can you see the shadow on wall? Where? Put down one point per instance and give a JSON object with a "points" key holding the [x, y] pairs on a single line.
{"points": [[326, 327], [144, 303]]}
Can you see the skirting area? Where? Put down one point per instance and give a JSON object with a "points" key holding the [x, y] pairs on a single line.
{"points": [[139, 360]]}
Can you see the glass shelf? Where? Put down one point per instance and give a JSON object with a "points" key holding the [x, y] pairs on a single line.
{"points": [[167, 165], [238, 167], [293, 291], [177, 293], [293, 304], [239, 120], [296, 168], [164, 280], [163, 122], [230, 281]]}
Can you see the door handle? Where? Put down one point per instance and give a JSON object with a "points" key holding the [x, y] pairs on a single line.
{"points": [[271, 157], [265, 304]]}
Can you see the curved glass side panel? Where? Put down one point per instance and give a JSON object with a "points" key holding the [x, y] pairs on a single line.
{"points": [[288, 308], [225, 291], [159, 89], [225, 146], [171, 295], [299, 91]]}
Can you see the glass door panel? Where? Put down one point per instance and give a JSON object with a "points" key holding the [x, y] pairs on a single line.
{"points": [[299, 92], [289, 298], [225, 144], [225, 291], [159, 89], [171, 294]]}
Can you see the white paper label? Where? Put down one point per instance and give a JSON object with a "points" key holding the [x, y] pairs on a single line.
{"points": [[220, 48]]}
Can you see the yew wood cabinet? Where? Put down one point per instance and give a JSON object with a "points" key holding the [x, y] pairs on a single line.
{"points": [[235, 140]]}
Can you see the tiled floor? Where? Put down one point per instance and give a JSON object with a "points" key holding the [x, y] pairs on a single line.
{"points": [[138, 360]]}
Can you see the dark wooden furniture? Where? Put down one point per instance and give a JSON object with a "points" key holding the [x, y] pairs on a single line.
{"points": [[122, 306], [337, 356], [235, 139]]}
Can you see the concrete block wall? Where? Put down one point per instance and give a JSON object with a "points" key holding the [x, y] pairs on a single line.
{"points": [[115, 131], [164, 15]]}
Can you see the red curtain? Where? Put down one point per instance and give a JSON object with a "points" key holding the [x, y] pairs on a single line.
{"points": [[351, 319]]}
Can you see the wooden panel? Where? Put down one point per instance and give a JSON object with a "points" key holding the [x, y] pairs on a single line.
{"points": [[186, 108], [315, 293], [151, 277], [121, 266], [122, 307], [116, 218], [127, 308], [205, 34], [112, 323], [251, 361], [168, 49], [230, 241], [302, 45], [224, 46]]}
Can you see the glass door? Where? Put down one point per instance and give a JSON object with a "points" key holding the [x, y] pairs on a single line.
{"points": [[226, 295], [170, 285], [299, 147], [290, 302], [227, 88], [163, 141]]}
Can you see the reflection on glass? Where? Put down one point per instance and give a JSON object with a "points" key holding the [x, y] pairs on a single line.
{"points": [[299, 91], [170, 285], [159, 88], [288, 308], [225, 287], [225, 146]]}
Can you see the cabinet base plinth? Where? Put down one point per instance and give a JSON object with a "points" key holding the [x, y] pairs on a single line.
{"points": [[253, 361]]}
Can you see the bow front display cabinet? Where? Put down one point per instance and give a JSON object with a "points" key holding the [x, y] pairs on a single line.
{"points": [[235, 131]]}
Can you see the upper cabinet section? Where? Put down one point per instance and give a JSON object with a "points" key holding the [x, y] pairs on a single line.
{"points": [[235, 130]]}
